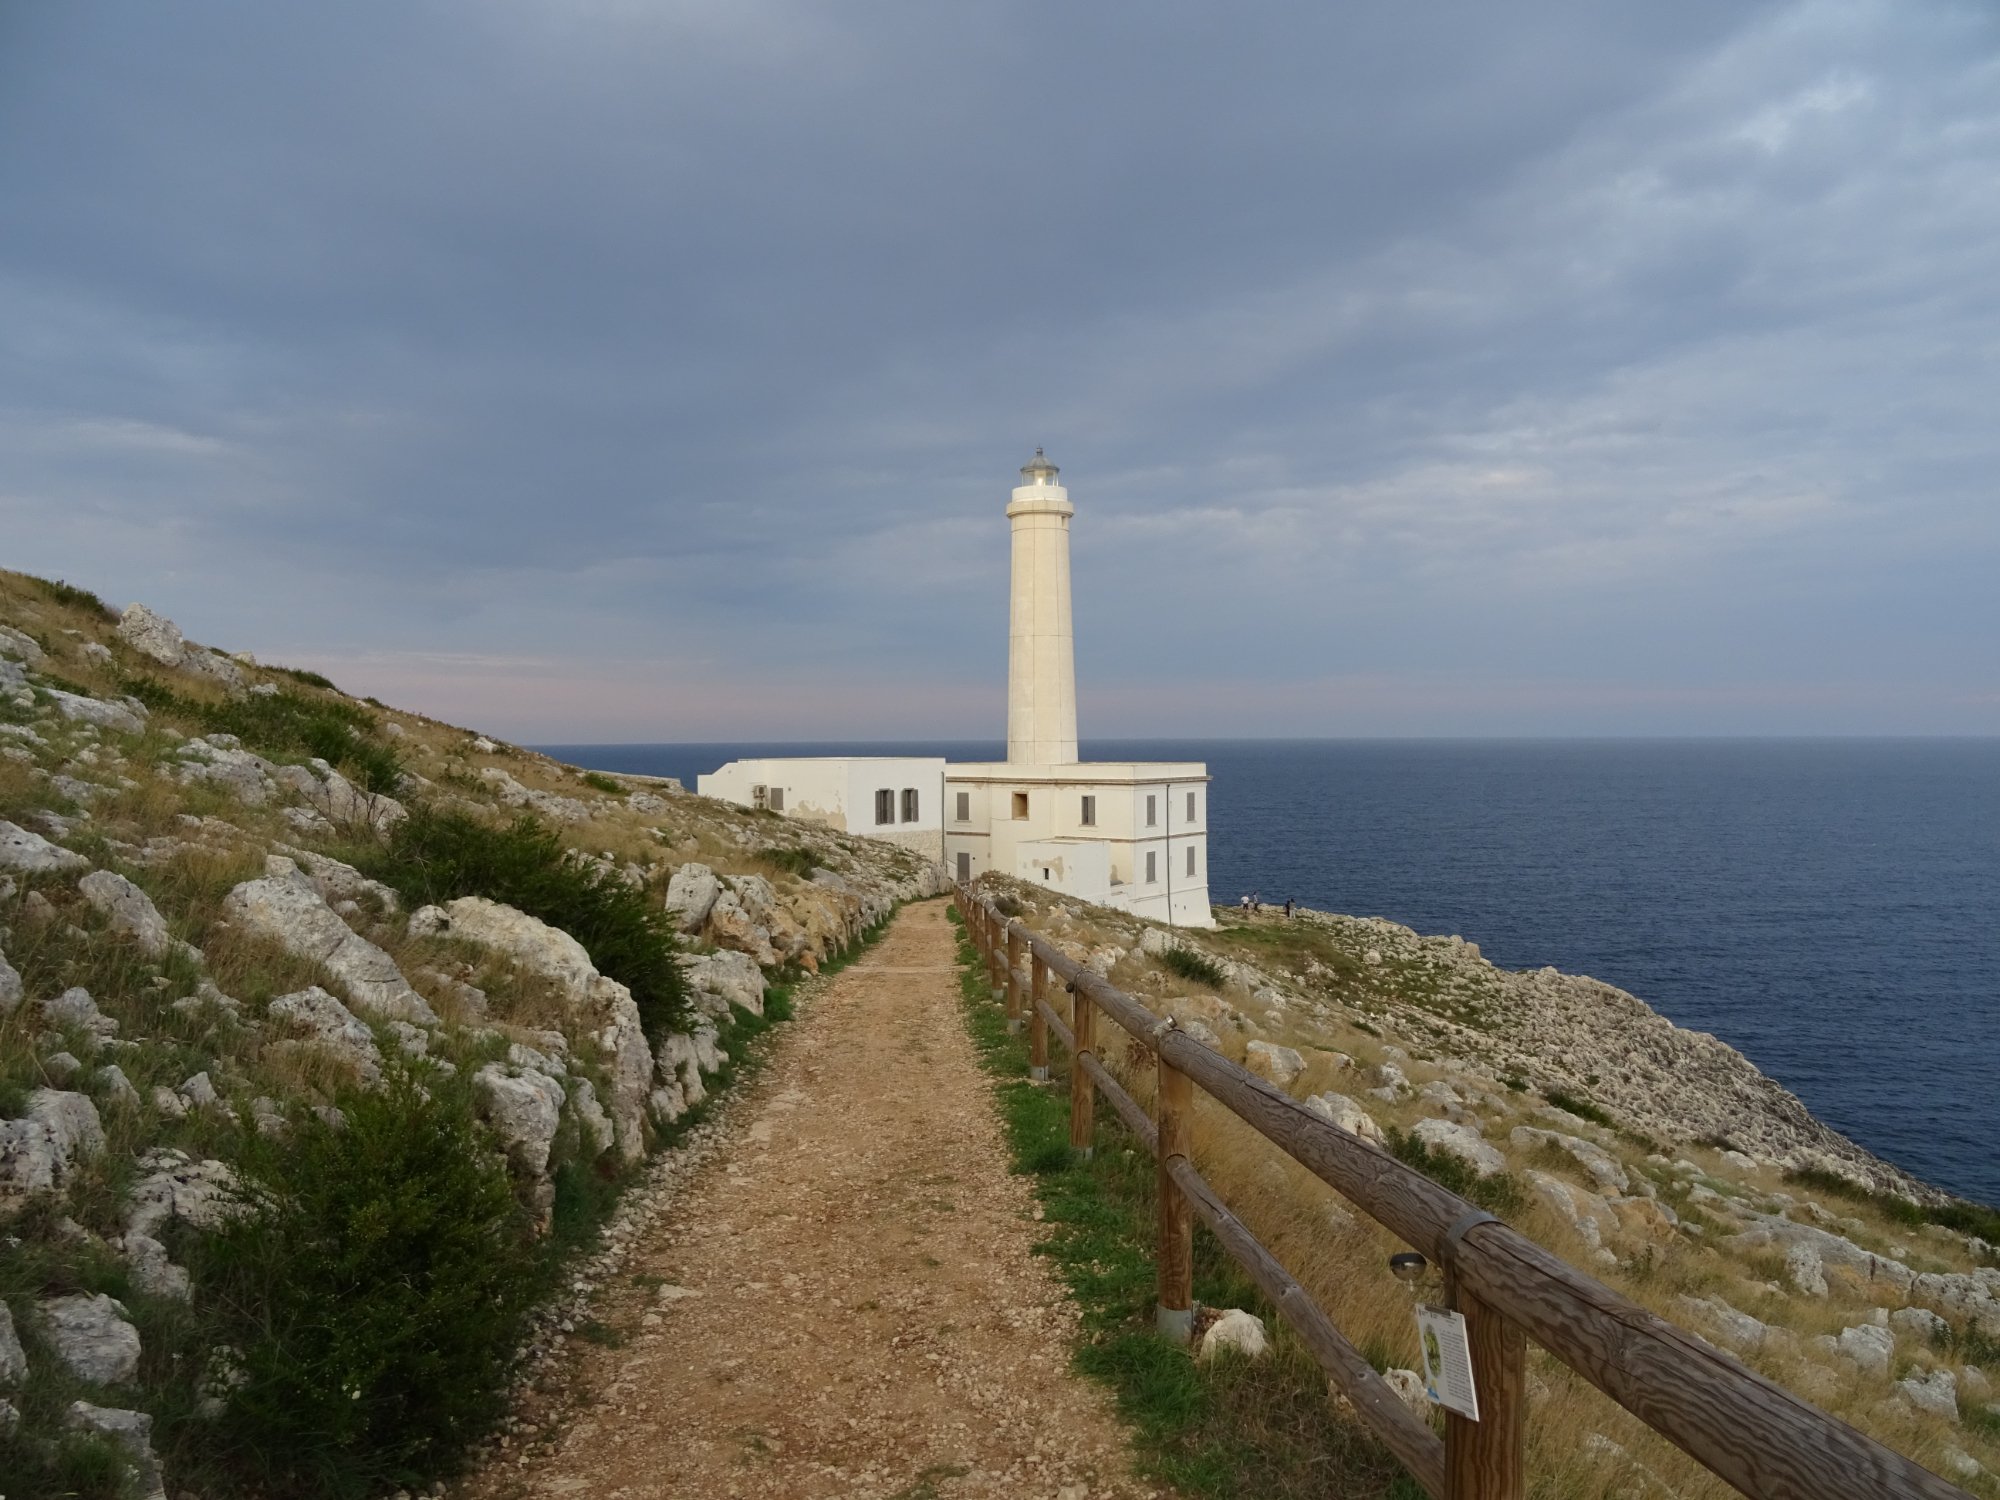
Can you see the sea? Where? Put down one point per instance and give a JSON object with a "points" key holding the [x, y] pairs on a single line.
{"points": [[1831, 908]]}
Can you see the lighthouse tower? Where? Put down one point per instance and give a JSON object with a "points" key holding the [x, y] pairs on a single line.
{"points": [[1041, 641]]}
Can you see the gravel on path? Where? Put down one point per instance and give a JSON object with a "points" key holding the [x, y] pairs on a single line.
{"points": [[844, 1301]]}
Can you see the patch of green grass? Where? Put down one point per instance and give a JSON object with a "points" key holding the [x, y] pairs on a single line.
{"points": [[310, 679], [799, 862], [438, 855], [1192, 964], [1499, 1194], [72, 596], [1230, 1428], [286, 723], [1961, 1214], [1583, 1109], [598, 781]]}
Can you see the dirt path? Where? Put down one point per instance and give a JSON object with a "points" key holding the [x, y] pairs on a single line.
{"points": [[846, 1300]]}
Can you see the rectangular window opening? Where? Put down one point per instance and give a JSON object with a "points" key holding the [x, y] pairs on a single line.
{"points": [[1190, 816], [1152, 867], [1190, 859], [909, 804], [885, 806], [964, 867], [1089, 812], [777, 799], [965, 807], [1020, 804], [1152, 812]]}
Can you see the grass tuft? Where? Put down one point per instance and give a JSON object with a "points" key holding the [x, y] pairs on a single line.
{"points": [[1192, 964]]}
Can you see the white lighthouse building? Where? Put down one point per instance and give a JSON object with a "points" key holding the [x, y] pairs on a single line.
{"points": [[1126, 834]]}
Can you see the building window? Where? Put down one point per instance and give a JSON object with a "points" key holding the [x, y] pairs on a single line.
{"points": [[1190, 859], [909, 804], [1152, 811], [965, 807], [1152, 866], [885, 806], [964, 865], [1190, 807], [1020, 804], [1089, 812], [777, 798]]}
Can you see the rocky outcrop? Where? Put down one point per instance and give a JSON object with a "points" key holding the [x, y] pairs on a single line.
{"points": [[132, 1431], [1345, 1113], [691, 894], [200, 1194], [128, 910], [28, 853], [601, 1004], [1280, 1065], [92, 1335], [718, 981], [1463, 1142], [128, 717], [320, 1025], [285, 909], [157, 637], [13, 1359], [38, 1150]]}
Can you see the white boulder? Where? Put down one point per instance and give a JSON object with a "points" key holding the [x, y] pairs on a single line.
{"points": [[1344, 1112], [28, 853], [319, 1022], [81, 710], [1237, 1331], [152, 1272], [90, 1333], [692, 892], [10, 987], [525, 1111], [1463, 1142], [724, 979], [201, 1194], [291, 913], [1280, 1065], [1935, 1392], [129, 910], [38, 1150], [1600, 1164], [130, 1430], [1869, 1347]]}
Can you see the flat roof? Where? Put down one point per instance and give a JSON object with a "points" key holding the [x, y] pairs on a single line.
{"points": [[1085, 771]]}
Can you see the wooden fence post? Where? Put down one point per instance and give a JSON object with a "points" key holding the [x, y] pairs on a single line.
{"points": [[1082, 1097], [1486, 1460], [1038, 1028], [1015, 945], [1175, 1314]]}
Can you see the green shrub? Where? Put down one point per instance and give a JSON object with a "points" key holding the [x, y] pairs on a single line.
{"points": [[1193, 965], [598, 781], [1960, 1214], [310, 679], [375, 1293], [286, 723], [438, 856], [70, 594], [1583, 1109], [1499, 1194], [799, 862]]}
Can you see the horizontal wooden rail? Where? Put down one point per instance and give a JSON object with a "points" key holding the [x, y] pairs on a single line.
{"points": [[1752, 1433]]}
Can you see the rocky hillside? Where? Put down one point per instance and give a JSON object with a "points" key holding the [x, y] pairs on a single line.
{"points": [[327, 1033], [1658, 1159]]}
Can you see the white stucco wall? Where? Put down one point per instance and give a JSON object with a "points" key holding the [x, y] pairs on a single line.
{"points": [[839, 792]]}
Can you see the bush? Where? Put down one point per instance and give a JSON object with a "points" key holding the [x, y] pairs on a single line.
{"points": [[287, 723], [1498, 1194], [69, 594], [1583, 1109], [438, 856], [1192, 964], [799, 862], [375, 1294], [598, 781], [310, 679], [1960, 1214]]}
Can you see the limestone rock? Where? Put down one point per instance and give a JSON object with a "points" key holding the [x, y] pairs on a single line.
{"points": [[1237, 1331], [524, 1111], [727, 978], [37, 1150], [89, 1332], [10, 987], [21, 647], [338, 800], [1919, 1322], [335, 880], [129, 910], [1590, 1215], [201, 1194], [217, 758], [81, 710], [1935, 1392], [602, 1003], [1805, 1270], [13, 1359], [1594, 1159], [29, 853], [1345, 1113], [321, 1023], [74, 1007], [289, 912], [1388, 1076], [598, 1132], [1463, 1142], [152, 635], [1869, 1347], [1408, 1386], [1737, 1329], [1281, 1065], [732, 927], [130, 1430], [152, 1272]]}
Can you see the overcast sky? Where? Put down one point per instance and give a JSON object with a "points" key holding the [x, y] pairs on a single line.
{"points": [[591, 370]]}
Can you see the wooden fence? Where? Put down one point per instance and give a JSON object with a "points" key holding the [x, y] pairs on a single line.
{"points": [[1757, 1436]]}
